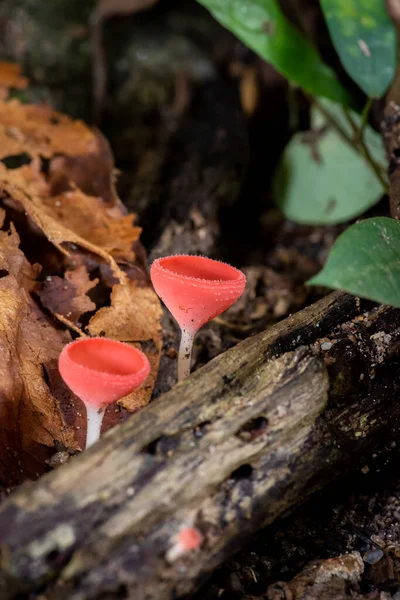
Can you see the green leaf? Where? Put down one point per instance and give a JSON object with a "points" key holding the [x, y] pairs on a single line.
{"points": [[365, 261], [261, 25], [365, 40], [322, 179]]}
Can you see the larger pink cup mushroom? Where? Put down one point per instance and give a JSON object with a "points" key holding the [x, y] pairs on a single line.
{"points": [[101, 371], [195, 289]]}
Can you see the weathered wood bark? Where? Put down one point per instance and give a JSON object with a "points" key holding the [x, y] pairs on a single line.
{"points": [[229, 450]]}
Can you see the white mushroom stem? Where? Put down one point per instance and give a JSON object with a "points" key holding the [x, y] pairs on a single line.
{"points": [[94, 421], [185, 354], [175, 552]]}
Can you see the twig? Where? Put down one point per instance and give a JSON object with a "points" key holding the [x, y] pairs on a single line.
{"points": [[69, 324], [332, 121]]}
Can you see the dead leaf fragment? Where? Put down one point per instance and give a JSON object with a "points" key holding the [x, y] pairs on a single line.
{"points": [[54, 229], [67, 295], [30, 420], [134, 316], [40, 131], [113, 233]]}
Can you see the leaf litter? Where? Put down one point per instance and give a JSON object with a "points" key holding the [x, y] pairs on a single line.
{"points": [[71, 263]]}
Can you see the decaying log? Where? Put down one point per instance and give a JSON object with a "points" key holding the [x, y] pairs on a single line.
{"points": [[230, 449]]}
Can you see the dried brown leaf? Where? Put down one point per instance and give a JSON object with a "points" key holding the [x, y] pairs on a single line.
{"points": [[67, 295], [40, 131], [43, 216], [73, 204], [12, 260], [93, 172], [107, 228], [30, 419], [133, 317]]}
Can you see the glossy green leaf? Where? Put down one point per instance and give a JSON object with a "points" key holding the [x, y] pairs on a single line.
{"points": [[321, 178], [261, 25], [365, 261], [365, 39]]}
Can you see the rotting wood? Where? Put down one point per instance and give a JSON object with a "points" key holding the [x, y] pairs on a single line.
{"points": [[230, 449]]}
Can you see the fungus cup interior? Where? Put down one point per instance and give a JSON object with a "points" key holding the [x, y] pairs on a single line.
{"points": [[196, 289], [200, 267], [101, 371]]}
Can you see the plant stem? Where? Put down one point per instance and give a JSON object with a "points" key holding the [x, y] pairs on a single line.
{"points": [[94, 421], [364, 119], [185, 354], [360, 142], [332, 121]]}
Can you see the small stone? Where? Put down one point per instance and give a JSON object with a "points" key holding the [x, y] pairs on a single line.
{"points": [[326, 346], [372, 557]]}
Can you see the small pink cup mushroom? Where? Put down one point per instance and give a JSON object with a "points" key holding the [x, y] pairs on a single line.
{"points": [[187, 540], [195, 289], [101, 371]]}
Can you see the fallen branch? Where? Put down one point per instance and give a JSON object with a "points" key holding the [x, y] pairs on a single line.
{"points": [[229, 450]]}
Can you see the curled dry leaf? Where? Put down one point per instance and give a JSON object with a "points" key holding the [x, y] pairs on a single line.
{"points": [[62, 212], [115, 235]]}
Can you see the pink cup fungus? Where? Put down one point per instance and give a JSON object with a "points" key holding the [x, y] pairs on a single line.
{"points": [[187, 540], [195, 289], [101, 371]]}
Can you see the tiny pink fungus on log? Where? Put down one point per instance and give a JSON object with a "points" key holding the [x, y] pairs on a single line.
{"points": [[195, 289], [101, 371], [188, 539]]}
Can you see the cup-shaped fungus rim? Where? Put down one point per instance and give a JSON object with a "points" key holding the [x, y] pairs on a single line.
{"points": [[109, 363], [198, 270]]}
